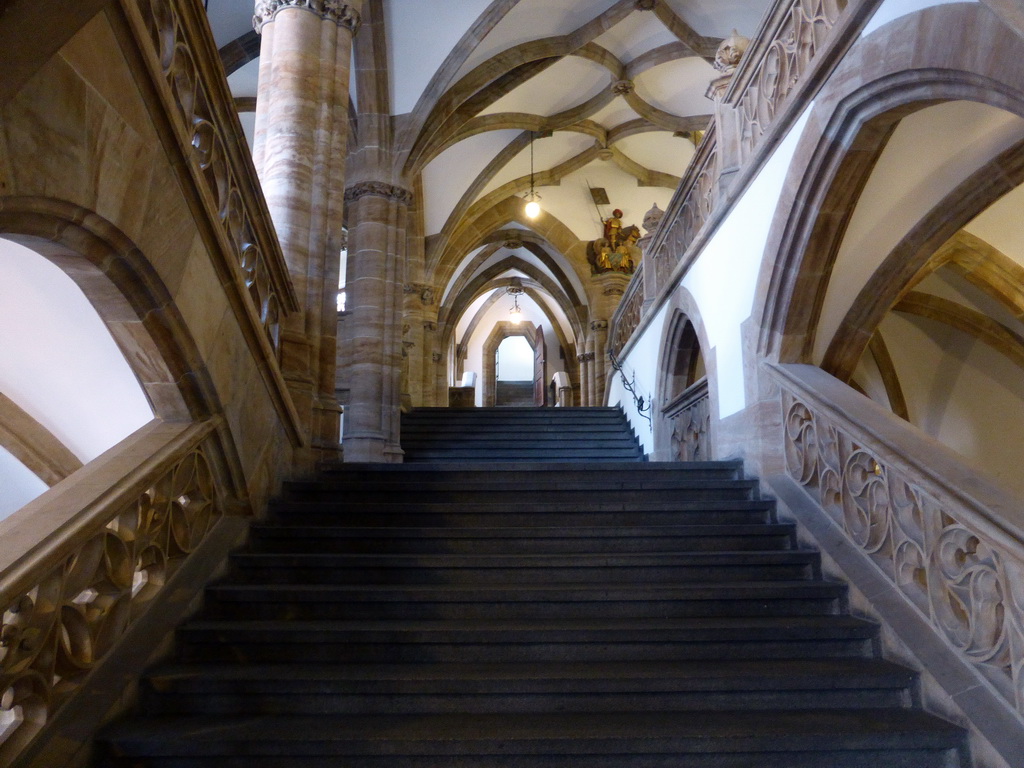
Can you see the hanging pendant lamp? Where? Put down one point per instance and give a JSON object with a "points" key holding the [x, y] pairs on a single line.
{"points": [[532, 206]]}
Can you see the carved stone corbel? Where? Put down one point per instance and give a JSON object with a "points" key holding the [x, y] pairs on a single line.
{"points": [[378, 189]]}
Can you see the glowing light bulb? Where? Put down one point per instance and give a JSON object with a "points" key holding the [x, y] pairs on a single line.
{"points": [[515, 314], [533, 209]]}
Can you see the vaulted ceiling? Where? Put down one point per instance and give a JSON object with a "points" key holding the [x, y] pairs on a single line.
{"points": [[609, 92]]}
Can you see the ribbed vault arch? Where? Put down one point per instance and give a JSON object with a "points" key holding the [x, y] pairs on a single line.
{"points": [[851, 124]]}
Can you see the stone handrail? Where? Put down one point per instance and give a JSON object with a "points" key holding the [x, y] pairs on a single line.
{"points": [[627, 315], [690, 418], [949, 541], [84, 561], [190, 80]]}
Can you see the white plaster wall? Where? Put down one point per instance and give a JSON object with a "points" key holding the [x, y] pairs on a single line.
{"points": [[18, 485], [868, 377], [961, 392], [58, 362], [641, 369], [722, 281], [1000, 225]]}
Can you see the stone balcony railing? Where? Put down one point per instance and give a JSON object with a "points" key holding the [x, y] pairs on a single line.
{"points": [[689, 418], [627, 315], [91, 560], [947, 541], [779, 71], [175, 39]]}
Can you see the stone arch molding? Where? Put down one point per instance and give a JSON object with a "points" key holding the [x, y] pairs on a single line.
{"points": [[136, 307], [683, 311], [128, 295], [930, 58]]}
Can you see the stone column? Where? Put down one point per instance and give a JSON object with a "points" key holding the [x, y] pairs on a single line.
{"points": [[299, 152], [377, 214]]}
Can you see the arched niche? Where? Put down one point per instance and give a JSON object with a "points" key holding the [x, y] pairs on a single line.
{"points": [[686, 400]]}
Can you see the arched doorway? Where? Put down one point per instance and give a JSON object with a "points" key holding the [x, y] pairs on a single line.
{"points": [[534, 336]]}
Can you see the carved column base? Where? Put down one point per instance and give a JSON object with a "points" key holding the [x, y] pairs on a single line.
{"points": [[373, 449]]}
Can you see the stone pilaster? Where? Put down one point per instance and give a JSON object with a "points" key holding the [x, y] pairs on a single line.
{"points": [[585, 360], [609, 288], [420, 323], [377, 215], [299, 152]]}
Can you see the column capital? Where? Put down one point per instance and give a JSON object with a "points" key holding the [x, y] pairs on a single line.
{"points": [[379, 189], [341, 13]]}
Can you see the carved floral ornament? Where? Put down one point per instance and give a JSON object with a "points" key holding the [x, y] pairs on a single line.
{"points": [[341, 13], [53, 633], [627, 319], [970, 588], [200, 130], [425, 291], [691, 430], [378, 189], [805, 31]]}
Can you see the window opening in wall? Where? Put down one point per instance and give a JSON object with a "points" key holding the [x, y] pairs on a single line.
{"points": [[342, 269]]}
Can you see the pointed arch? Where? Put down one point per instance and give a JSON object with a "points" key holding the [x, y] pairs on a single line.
{"points": [[848, 129], [135, 305]]}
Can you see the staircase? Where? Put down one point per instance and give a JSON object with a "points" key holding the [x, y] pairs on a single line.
{"points": [[528, 615], [518, 434], [514, 394]]}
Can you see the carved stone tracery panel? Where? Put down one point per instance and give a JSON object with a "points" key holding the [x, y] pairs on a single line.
{"points": [[54, 632], [198, 123], [788, 58], [970, 588]]}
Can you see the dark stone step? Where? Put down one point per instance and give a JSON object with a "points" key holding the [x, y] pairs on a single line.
{"points": [[526, 640], [516, 601], [567, 515], [519, 432], [534, 540], [631, 472], [641, 496], [479, 688], [836, 738], [542, 412], [504, 453], [523, 569], [565, 441]]}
